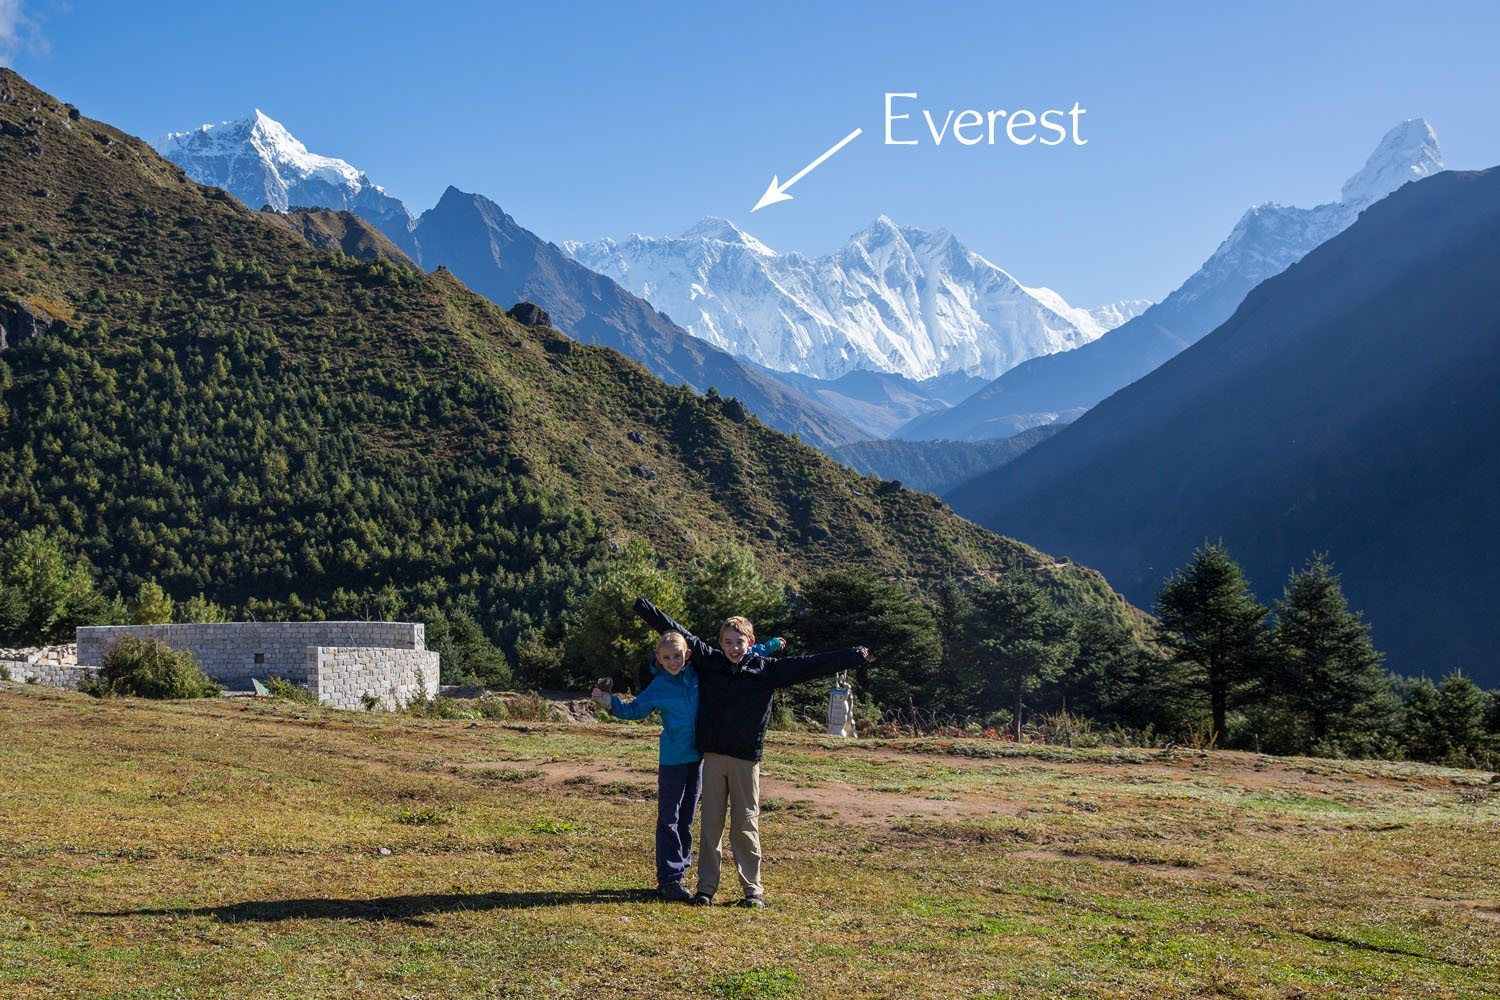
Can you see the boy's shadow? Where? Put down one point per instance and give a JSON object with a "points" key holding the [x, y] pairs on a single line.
{"points": [[405, 908]]}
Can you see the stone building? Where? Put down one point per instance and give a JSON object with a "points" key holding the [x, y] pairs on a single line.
{"points": [[346, 664]]}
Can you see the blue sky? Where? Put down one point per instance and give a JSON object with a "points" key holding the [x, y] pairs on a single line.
{"points": [[589, 119]]}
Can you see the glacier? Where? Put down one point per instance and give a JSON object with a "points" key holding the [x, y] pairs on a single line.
{"points": [[894, 299]]}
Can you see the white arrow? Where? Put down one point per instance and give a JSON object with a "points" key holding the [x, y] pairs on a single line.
{"points": [[777, 191]]}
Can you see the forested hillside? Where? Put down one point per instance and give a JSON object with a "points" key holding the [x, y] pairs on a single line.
{"points": [[194, 393]]}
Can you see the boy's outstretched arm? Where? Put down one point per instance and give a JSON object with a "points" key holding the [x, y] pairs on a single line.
{"points": [[662, 622], [791, 670]]}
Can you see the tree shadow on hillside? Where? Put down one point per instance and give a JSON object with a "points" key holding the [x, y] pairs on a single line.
{"points": [[405, 908]]}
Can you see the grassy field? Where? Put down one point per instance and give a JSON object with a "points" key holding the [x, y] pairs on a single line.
{"points": [[238, 848]]}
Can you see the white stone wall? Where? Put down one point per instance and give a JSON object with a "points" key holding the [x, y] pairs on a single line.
{"points": [[50, 674], [233, 652], [342, 677]]}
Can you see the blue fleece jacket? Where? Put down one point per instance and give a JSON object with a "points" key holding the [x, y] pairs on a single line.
{"points": [[677, 700]]}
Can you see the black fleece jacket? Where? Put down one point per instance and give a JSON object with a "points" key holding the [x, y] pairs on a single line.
{"points": [[734, 699]]}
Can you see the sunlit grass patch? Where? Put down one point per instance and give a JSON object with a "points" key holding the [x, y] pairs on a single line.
{"points": [[152, 849]]}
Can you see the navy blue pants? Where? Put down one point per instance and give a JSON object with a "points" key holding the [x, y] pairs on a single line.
{"points": [[677, 787]]}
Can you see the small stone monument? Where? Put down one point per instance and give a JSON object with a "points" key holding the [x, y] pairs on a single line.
{"points": [[841, 708]]}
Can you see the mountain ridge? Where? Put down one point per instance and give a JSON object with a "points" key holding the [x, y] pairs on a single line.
{"points": [[893, 299], [256, 157], [1321, 416], [1266, 240]]}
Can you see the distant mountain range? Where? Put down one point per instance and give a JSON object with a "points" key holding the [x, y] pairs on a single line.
{"points": [[938, 466], [894, 299], [1349, 405], [1267, 239], [259, 162]]}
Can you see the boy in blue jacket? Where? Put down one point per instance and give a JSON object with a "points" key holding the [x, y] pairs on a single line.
{"points": [[674, 693]]}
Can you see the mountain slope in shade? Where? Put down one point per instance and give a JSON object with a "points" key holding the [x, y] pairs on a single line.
{"points": [[353, 236], [487, 250], [258, 161], [1266, 240], [1350, 405], [938, 466], [879, 402], [894, 299]]}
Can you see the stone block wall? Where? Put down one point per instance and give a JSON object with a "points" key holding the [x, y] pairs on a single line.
{"points": [[233, 652], [50, 674], [342, 677]]}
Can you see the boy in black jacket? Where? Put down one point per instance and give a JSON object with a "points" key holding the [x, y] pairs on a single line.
{"points": [[735, 687]]}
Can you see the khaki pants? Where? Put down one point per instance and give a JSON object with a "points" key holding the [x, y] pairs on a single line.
{"points": [[733, 784]]}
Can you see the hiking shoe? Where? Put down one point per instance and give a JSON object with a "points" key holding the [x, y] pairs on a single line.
{"points": [[673, 892], [702, 899], [753, 902]]}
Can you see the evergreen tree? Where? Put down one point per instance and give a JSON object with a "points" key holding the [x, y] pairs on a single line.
{"points": [[200, 609], [1013, 640], [1212, 625], [727, 583], [150, 606], [604, 636], [1325, 667], [1111, 678], [466, 655], [1446, 723], [44, 597], [1422, 728], [857, 607]]}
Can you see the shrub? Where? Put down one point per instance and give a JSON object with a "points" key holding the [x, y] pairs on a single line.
{"points": [[280, 687], [438, 708], [146, 668], [783, 718], [532, 707], [490, 706], [422, 817]]}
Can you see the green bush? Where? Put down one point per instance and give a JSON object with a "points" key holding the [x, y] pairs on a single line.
{"points": [[146, 668], [280, 687], [439, 708]]}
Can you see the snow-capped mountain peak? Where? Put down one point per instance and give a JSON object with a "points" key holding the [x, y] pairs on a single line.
{"points": [[256, 159], [724, 231], [1408, 152], [894, 298]]}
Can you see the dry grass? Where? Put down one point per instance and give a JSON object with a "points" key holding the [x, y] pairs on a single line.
{"points": [[270, 849]]}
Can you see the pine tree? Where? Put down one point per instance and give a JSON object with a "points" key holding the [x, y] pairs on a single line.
{"points": [[43, 596], [1325, 666], [1112, 678], [857, 607], [1212, 625], [200, 609], [1447, 722], [150, 606], [1015, 640], [604, 636], [728, 582]]}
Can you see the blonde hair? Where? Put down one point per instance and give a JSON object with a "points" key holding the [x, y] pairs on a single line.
{"points": [[740, 624], [674, 640]]}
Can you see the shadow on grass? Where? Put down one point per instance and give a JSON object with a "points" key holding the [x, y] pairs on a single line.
{"points": [[407, 908]]}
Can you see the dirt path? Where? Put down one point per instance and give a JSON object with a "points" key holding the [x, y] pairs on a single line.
{"points": [[831, 799]]}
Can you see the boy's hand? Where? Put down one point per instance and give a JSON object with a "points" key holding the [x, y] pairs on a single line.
{"points": [[601, 696]]}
